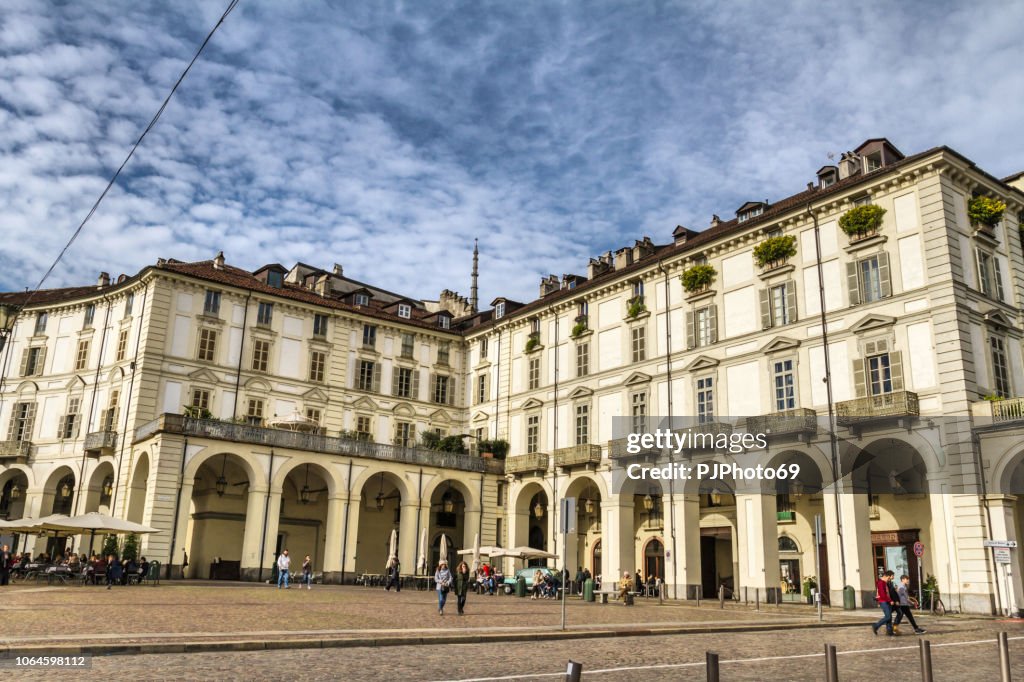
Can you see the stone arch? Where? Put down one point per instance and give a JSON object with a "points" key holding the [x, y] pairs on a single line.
{"points": [[328, 473], [1005, 469], [579, 482], [54, 500], [250, 465], [14, 483], [138, 486], [95, 500], [395, 477], [441, 480], [815, 470], [889, 464], [12, 470]]}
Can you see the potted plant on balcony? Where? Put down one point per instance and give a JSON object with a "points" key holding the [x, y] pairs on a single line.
{"points": [[636, 306], [580, 327], [698, 278], [196, 412], [452, 444], [773, 252], [499, 448], [431, 440], [532, 342], [985, 211], [861, 222]]}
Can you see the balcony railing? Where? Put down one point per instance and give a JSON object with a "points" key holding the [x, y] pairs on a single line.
{"points": [[101, 441], [578, 455], [15, 449], [279, 438], [526, 464], [885, 406], [786, 422], [999, 411]]}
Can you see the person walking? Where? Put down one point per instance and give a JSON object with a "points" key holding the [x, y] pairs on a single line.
{"points": [[884, 602], [461, 585], [394, 575], [307, 573], [113, 571], [443, 582], [284, 562], [6, 562], [905, 604]]}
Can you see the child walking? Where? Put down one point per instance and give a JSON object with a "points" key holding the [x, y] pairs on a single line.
{"points": [[905, 603]]}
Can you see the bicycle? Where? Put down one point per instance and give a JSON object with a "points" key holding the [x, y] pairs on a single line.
{"points": [[936, 607]]}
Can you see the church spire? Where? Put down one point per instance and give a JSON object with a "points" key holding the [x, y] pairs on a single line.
{"points": [[473, 298]]}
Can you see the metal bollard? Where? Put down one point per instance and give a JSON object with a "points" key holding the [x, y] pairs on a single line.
{"points": [[1004, 656], [831, 665], [712, 666], [757, 598], [573, 672], [745, 600], [926, 661], [721, 596]]}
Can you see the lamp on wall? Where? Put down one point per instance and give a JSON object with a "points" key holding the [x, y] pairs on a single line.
{"points": [[222, 483], [380, 495], [304, 493], [538, 509], [65, 490], [108, 486], [648, 503], [15, 492]]}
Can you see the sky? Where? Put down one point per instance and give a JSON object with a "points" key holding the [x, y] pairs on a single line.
{"points": [[387, 136]]}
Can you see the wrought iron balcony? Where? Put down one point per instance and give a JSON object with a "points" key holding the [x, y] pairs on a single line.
{"points": [[100, 442], [313, 442], [15, 449], [1000, 411], [787, 422], [527, 464], [578, 455], [876, 407]]}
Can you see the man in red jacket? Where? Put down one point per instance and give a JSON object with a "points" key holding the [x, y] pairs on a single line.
{"points": [[885, 602]]}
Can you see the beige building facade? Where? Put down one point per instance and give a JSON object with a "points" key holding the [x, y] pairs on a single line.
{"points": [[243, 412]]}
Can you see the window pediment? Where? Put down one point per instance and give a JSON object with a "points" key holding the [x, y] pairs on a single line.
{"points": [[581, 392], [531, 403], [702, 362], [75, 383], [996, 318], [203, 375], [257, 385], [871, 322], [481, 417], [637, 378], [315, 395], [780, 343], [404, 410], [440, 416], [364, 403]]}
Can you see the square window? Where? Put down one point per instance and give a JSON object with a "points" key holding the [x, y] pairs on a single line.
{"points": [[404, 310]]}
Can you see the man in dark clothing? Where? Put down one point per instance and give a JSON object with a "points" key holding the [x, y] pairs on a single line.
{"points": [[6, 561], [394, 573], [903, 600], [884, 602]]}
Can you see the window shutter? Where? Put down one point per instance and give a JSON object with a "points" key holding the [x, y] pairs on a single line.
{"points": [[860, 377], [30, 417], [690, 326], [376, 378], [103, 419], [395, 373], [896, 370], [412, 435], [791, 300], [13, 422], [884, 282], [452, 386], [415, 389], [76, 426], [432, 388], [24, 362], [997, 277], [766, 309], [713, 323], [852, 284], [61, 425], [979, 271]]}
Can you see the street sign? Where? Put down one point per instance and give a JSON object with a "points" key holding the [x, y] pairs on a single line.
{"points": [[1002, 554], [919, 549], [1009, 544]]}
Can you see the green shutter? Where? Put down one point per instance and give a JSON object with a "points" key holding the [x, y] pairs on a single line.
{"points": [[766, 308], [791, 300], [61, 426], [860, 377], [690, 326], [713, 323], [896, 370], [414, 391], [852, 283], [997, 276], [376, 378], [24, 362], [885, 283], [396, 372]]}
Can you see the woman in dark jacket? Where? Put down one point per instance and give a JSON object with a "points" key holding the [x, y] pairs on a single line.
{"points": [[461, 585], [113, 571]]}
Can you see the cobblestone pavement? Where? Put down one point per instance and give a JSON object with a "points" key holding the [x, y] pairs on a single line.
{"points": [[961, 650], [203, 610]]}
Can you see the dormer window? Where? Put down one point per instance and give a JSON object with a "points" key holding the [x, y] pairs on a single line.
{"points": [[444, 322], [873, 162], [404, 310], [828, 176], [362, 299], [499, 310], [275, 279], [749, 210]]}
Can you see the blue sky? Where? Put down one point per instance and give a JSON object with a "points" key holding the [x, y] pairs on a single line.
{"points": [[385, 136]]}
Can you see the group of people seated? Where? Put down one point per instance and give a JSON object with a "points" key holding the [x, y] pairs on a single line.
{"points": [[545, 585], [489, 578], [93, 570]]}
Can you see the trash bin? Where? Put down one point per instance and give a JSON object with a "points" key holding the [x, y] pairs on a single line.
{"points": [[588, 590], [627, 599], [520, 586], [849, 598]]}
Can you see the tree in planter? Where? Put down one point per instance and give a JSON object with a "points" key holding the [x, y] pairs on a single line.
{"points": [[452, 444], [810, 585], [109, 546], [636, 307], [861, 221], [499, 448], [930, 591], [197, 412], [985, 211], [698, 277], [775, 250], [131, 547], [431, 440]]}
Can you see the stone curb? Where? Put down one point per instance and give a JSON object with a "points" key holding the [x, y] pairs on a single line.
{"points": [[352, 642]]}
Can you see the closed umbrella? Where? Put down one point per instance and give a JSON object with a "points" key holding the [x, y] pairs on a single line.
{"points": [[422, 563], [476, 552], [444, 548], [393, 549]]}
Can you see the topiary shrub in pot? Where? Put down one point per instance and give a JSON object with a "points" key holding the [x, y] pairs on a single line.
{"points": [[775, 251], [697, 278], [985, 211], [861, 221]]}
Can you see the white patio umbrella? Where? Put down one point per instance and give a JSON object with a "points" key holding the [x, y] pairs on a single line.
{"points": [[444, 548], [393, 549], [422, 563], [95, 521], [476, 552]]}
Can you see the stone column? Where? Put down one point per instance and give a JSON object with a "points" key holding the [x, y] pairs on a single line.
{"points": [[333, 540], [1009, 586], [409, 534], [253, 533], [180, 530], [856, 541], [270, 541], [682, 557], [618, 543], [757, 544], [349, 546]]}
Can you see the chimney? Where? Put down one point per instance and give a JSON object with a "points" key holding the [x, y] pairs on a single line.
{"points": [[218, 261], [321, 284], [549, 285], [715, 220], [338, 271], [596, 267], [103, 281], [623, 258], [849, 164], [810, 187], [643, 248]]}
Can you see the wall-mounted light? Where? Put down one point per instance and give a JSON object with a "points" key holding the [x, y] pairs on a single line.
{"points": [[538, 509], [222, 483], [304, 493]]}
